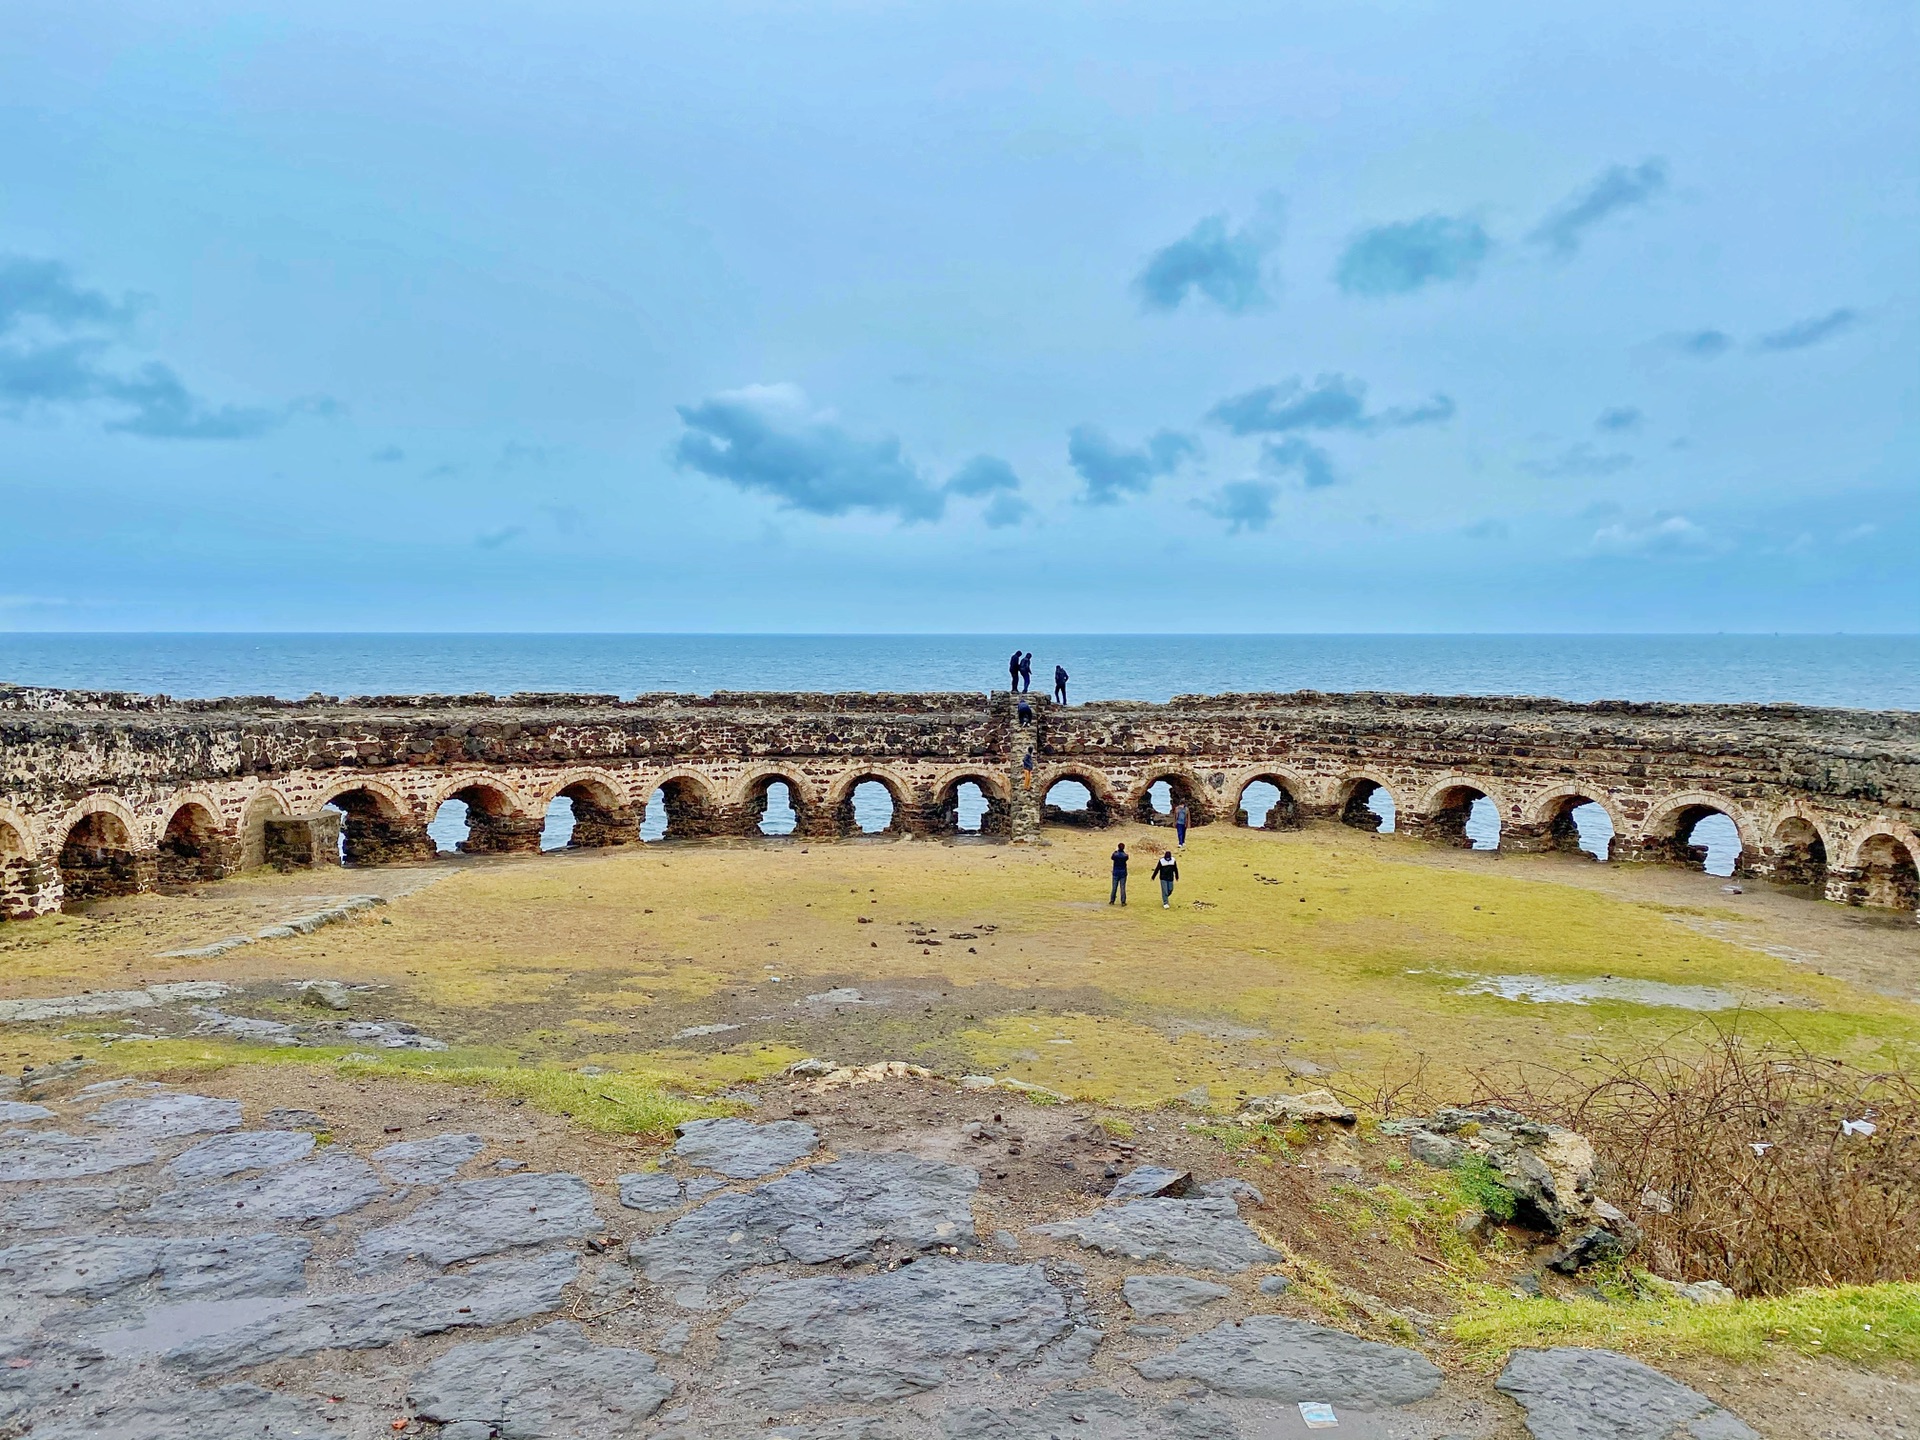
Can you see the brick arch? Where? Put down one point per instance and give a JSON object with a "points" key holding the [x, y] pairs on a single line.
{"points": [[1548, 805], [483, 781], [603, 813], [101, 803], [696, 803], [393, 804], [1428, 803], [103, 850], [613, 788], [753, 784], [943, 812], [195, 841], [1185, 784], [1901, 835], [840, 789], [1348, 796], [992, 784], [25, 832], [388, 831], [1101, 807], [1664, 816]]}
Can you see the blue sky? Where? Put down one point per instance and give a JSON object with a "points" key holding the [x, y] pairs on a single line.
{"points": [[958, 317]]}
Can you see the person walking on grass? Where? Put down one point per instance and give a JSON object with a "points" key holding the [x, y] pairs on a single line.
{"points": [[1059, 684], [1180, 824], [1026, 672], [1166, 871], [1119, 890]]}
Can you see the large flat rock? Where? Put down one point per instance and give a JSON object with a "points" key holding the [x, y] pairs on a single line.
{"points": [[1096, 1414], [63, 1207], [1573, 1394], [483, 1217], [826, 1212], [495, 1293], [188, 1413], [744, 1149], [243, 1150], [56, 1155], [1272, 1357], [1206, 1234], [160, 1117], [552, 1382], [1150, 1295], [431, 1161], [886, 1336], [334, 1184], [91, 1267]]}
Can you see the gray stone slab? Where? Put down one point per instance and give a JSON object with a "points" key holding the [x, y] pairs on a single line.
{"points": [[1096, 1414], [1573, 1394], [1232, 1187], [1205, 1233], [495, 1293], [483, 1217], [63, 1207], [160, 1117], [653, 1191], [745, 1149], [1170, 1294], [16, 1112], [1146, 1180], [551, 1382], [333, 1184], [884, 1337], [826, 1212], [188, 1413], [57, 1155], [243, 1150], [428, 1162], [1271, 1357], [92, 1267]]}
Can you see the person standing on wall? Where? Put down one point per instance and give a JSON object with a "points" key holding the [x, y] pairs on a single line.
{"points": [[1180, 824], [1119, 890], [1166, 870], [1059, 684], [1013, 672], [1026, 671]]}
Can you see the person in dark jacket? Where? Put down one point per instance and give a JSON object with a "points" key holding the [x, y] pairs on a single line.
{"points": [[1026, 671], [1060, 684], [1119, 890], [1180, 824], [1023, 712], [1013, 672], [1166, 870]]}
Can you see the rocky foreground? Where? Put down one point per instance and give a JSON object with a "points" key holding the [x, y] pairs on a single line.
{"points": [[171, 1265]]}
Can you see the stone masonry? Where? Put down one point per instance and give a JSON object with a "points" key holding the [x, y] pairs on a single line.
{"points": [[104, 793]]}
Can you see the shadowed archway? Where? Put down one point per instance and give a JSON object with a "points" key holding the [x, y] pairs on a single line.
{"points": [[98, 859]]}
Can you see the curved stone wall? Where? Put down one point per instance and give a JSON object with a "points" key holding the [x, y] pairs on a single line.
{"points": [[103, 793]]}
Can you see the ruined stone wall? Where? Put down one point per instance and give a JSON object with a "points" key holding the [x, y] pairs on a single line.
{"points": [[1829, 798]]}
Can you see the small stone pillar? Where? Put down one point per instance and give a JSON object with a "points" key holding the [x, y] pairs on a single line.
{"points": [[595, 826], [502, 834], [383, 840], [301, 842]]}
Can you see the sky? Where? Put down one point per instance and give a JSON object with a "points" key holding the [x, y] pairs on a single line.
{"points": [[969, 317]]}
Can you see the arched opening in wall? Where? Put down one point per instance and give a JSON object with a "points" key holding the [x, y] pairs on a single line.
{"points": [[375, 831], [1267, 804], [97, 859], [193, 847], [1073, 800], [481, 820], [1703, 838], [680, 808], [777, 803], [1888, 874], [1463, 816], [1165, 794], [869, 809], [585, 815], [19, 876], [967, 805], [1578, 825], [1799, 854], [1368, 805]]}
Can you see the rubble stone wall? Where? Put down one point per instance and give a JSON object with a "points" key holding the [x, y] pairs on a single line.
{"points": [[104, 792]]}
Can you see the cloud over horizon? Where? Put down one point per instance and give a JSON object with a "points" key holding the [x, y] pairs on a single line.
{"points": [[1112, 471], [1212, 263], [1331, 402], [1243, 504], [1812, 331], [771, 440], [1617, 189], [1400, 258]]}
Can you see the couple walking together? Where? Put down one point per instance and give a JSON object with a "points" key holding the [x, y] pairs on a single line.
{"points": [[1020, 676], [1166, 870]]}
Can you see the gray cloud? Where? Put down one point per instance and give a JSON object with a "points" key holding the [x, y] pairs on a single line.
{"points": [[1701, 344], [1578, 462], [1663, 534], [1331, 402], [388, 455], [1802, 333], [1619, 419], [1226, 267], [45, 290], [1488, 529], [1399, 259], [1300, 456], [1005, 509], [1113, 471], [494, 539], [983, 475], [65, 366], [768, 439], [1243, 504], [1614, 190]]}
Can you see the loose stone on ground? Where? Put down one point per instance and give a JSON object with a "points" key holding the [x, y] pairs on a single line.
{"points": [[743, 1149], [1207, 1233], [430, 1161]]}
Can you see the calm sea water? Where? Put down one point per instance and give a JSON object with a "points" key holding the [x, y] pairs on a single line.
{"points": [[1865, 671], [1861, 671]]}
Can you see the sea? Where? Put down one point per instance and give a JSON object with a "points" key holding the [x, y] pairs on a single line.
{"points": [[1876, 672]]}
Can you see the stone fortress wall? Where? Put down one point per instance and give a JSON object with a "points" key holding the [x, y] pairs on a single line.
{"points": [[106, 793]]}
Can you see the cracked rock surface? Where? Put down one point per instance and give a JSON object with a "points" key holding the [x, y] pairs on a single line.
{"points": [[550, 1382], [483, 1217], [1571, 1394], [1273, 1357], [1207, 1234], [742, 1149]]}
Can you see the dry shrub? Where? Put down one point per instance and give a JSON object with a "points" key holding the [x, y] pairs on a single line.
{"points": [[1733, 1158]]}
